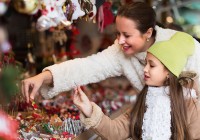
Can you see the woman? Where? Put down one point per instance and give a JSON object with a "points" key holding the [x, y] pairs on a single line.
{"points": [[164, 110], [136, 28]]}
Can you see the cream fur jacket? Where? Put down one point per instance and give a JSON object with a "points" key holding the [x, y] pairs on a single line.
{"points": [[108, 63]]}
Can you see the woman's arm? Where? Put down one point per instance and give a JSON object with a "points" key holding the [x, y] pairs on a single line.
{"points": [[82, 71]]}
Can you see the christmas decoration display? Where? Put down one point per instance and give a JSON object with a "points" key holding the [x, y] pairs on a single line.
{"points": [[111, 97], [51, 120], [63, 12], [58, 118], [53, 13]]}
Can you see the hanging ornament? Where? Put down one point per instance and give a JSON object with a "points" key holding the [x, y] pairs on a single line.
{"points": [[3, 35], [3, 8], [86, 6], [26, 6], [77, 10], [93, 13], [43, 23], [52, 15], [4, 44], [5, 47], [105, 16], [60, 37], [61, 16], [68, 9]]}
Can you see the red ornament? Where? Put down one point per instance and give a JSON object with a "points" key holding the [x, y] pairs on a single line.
{"points": [[36, 115], [8, 127]]}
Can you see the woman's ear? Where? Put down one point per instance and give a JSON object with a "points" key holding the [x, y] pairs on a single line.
{"points": [[149, 33]]}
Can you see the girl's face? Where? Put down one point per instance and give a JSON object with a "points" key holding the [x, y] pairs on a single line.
{"points": [[129, 37], [155, 73]]}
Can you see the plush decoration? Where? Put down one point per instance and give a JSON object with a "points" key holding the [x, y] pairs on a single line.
{"points": [[77, 11], [52, 15]]}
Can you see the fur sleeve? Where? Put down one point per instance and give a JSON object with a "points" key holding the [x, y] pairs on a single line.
{"points": [[82, 71], [193, 63]]}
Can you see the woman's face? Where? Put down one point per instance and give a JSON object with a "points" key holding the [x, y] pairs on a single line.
{"points": [[155, 73], [129, 37]]}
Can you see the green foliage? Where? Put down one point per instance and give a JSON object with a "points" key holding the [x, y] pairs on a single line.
{"points": [[9, 81], [10, 77]]}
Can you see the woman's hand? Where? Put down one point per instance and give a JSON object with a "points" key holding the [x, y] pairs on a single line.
{"points": [[82, 102], [30, 87]]}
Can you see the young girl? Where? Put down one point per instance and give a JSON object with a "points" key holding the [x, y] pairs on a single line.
{"points": [[166, 108]]}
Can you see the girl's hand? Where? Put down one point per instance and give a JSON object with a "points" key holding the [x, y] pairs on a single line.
{"points": [[82, 102]]}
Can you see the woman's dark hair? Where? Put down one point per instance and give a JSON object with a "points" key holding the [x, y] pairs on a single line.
{"points": [[179, 123], [141, 13]]}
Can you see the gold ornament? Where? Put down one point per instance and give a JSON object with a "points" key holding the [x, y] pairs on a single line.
{"points": [[26, 6]]}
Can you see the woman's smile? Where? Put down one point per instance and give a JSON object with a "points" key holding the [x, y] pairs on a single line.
{"points": [[126, 48]]}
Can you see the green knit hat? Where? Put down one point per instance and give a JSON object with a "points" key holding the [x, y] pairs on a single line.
{"points": [[173, 53]]}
